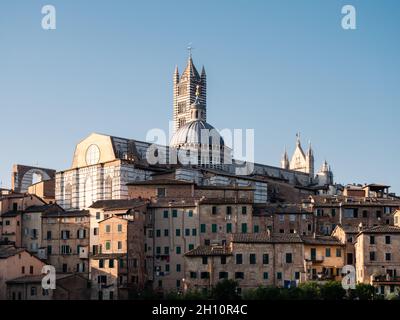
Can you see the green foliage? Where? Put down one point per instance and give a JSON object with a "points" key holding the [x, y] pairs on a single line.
{"points": [[310, 290], [262, 293], [363, 292], [392, 296], [195, 295], [332, 290], [225, 290]]}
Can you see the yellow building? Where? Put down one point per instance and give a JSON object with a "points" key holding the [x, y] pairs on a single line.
{"points": [[324, 257]]}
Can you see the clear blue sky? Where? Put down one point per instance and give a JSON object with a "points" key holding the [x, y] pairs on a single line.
{"points": [[276, 66]]}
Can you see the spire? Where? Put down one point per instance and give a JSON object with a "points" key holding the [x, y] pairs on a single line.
{"points": [[309, 151], [285, 160], [298, 138], [203, 72]]}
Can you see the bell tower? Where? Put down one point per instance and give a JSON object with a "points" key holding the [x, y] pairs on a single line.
{"points": [[187, 88]]}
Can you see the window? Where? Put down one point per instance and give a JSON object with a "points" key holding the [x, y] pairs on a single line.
{"points": [[108, 245], [194, 232], [229, 228], [244, 210], [81, 234], [190, 213], [378, 213], [65, 234], [265, 275], [102, 279], [166, 232], [167, 268], [297, 275], [158, 233], [204, 260], [191, 246], [333, 212], [214, 210], [165, 213], [193, 275], [119, 245], [45, 292], [174, 213], [23, 270], [244, 227], [223, 275], [178, 268], [203, 228], [281, 218], [187, 232], [372, 255], [279, 275], [265, 258], [166, 250], [223, 260], [365, 214], [95, 231], [178, 232], [239, 275], [161, 192], [214, 228], [387, 239], [239, 258], [178, 250], [178, 283], [98, 216], [48, 235], [33, 291], [327, 252], [108, 228], [49, 250], [158, 250], [252, 258], [371, 239], [101, 263], [256, 229], [388, 256], [65, 249], [119, 228], [289, 258], [338, 252], [205, 275], [292, 218]]}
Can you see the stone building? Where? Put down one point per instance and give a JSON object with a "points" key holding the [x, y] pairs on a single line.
{"points": [[68, 287], [378, 258], [45, 190], [65, 240], [347, 236], [24, 176], [119, 268], [15, 263], [253, 260], [324, 257]]}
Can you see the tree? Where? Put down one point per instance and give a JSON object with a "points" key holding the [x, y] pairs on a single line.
{"points": [[363, 292], [225, 290], [332, 290], [262, 293], [310, 290]]}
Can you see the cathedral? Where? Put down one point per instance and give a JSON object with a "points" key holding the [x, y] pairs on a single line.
{"points": [[103, 165]]}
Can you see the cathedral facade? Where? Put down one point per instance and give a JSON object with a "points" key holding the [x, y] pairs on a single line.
{"points": [[103, 165]]}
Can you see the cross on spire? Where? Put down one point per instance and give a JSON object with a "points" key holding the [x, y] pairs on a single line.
{"points": [[190, 49]]}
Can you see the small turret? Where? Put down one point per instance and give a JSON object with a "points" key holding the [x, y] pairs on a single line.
{"points": [[285, 160]]}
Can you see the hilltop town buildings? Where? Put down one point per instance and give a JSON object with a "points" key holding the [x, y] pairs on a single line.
{"points": [[115, 223]]}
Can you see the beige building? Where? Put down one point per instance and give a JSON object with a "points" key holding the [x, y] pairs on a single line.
{"points": [[119, 267], [68, 287], [65, 240], [44, 189], [378, 258], [16, 263], [251, 259]]}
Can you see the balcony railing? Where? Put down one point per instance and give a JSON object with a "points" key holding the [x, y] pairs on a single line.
{"points": [[313, 258]]}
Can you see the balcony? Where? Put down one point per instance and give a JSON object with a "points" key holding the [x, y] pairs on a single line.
{"points": [[386, 279], [314, 259]]}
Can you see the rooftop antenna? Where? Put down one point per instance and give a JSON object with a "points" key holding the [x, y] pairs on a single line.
{"points": [[190, 49]]}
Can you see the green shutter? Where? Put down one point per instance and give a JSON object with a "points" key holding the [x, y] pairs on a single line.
{"points": [[203, 228]]}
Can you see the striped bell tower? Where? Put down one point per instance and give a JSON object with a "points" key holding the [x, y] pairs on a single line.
{"points": [[185, 88]]}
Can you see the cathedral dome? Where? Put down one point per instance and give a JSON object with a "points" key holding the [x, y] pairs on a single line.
{"points": [[191, 133]]}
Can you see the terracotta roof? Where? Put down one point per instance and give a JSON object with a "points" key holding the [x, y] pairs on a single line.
{"points": [[349, 228], [160, 182], [66, 214], [209, 251], [108, 256], [44, 208], [321, 240], [7, 251], [11, 214], [37, 278], [382, 229], [266, 238], [117, 204]]}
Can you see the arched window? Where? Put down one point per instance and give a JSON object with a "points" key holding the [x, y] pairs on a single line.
{"points": [[68, 197], [108, 189]]}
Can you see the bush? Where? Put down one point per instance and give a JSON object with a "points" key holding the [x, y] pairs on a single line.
{"points": [[332, 290], [225, 290], [262, 293], [363, 292], [310, 290]]}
